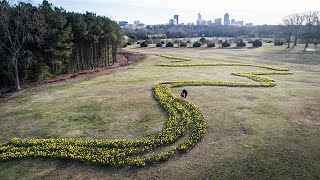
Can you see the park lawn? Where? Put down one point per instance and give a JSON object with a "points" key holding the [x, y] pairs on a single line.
{"points": [[252, 133]]}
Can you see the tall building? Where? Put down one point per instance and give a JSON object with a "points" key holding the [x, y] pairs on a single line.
{"points": [[171, 22], [199, 21], [218, 21], [199, 17], [176, 17], [226, 19]]}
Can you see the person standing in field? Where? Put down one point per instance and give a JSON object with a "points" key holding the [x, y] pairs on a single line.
{"points": [[184, 93]]}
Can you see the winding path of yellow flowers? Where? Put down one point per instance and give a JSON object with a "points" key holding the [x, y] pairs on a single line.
{"points": [[185, 127]]}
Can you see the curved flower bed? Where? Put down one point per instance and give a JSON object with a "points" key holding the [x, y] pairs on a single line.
{"points": [[177, 59], [185, 120]]}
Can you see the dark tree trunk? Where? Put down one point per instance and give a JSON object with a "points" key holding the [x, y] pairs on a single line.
{"points": [[108, 52], [105, 56], [91, 57], [16, 73], [289, 40]]}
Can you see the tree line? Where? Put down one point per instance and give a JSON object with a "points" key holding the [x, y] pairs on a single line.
{"points": [[37, 42]]}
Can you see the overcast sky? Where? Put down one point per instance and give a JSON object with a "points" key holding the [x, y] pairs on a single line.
{"points": [[160, 11]]}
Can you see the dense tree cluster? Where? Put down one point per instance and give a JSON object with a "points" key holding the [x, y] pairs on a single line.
{"points": [[43, 41]]}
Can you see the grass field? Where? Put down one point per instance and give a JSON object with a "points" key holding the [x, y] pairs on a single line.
{"points": [[252, 133]]}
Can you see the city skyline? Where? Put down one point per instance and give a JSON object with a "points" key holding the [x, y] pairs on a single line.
{"points": [[156, 12]]}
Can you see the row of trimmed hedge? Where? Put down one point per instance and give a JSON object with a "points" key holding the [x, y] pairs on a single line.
{"points": [[256, 43]]}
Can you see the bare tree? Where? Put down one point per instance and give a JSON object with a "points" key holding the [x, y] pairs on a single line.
{"points": [[298, 22], [289, 21], [317, 30], [311, 19], [19, 24]]}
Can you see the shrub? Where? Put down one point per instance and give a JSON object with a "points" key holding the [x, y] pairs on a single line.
{"points": [[129, 43], [196, 44], [159, 45], [269, 41], [211, 44], [203, 40], [250, 42], [241, 44], [278, 43], [257, 43], [138, 42], [162, 42], [169, 44], [183, 44], [143, 44], [226, 44]]}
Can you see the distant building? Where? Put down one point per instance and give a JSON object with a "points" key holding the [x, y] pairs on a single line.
{"points": [[171, 22], [249, 24], [137, 22], [226, 19], [218, 21], [123, 23], [199, 21], [236, 23], [239, 23], [209, 23], [199, 17], [176, 17], [204, 22], [233, 21]]}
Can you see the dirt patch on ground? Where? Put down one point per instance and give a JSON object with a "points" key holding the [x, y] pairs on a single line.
{"points": [[305, 112], [125, 60]]}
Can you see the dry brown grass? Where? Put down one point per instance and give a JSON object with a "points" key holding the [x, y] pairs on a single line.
{"points": [[252, 133]]}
